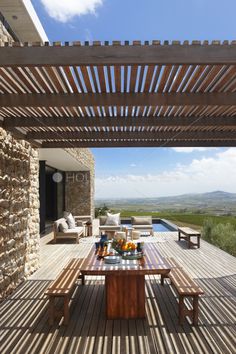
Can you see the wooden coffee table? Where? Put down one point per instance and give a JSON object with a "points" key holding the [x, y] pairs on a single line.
{"points": [[125, 281]]}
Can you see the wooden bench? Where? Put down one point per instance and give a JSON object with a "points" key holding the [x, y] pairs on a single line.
{"points": [[63, 287], [186, 233], [185, 287]]}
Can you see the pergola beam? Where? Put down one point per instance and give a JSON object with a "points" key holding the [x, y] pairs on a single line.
{"points": [[138, 143], [118, 99], [118, 55], [41, 89], [81, 122], [120, 135]]}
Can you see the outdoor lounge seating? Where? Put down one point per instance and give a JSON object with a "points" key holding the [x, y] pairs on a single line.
{"points": [[185, 287], [106, 227], [142, 224], [62, 231]]}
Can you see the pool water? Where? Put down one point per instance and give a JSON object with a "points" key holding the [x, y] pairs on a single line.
{"points": [[156, 227], [160, 227]]}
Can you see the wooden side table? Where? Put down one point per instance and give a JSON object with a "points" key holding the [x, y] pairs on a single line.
{"points": [[88, 229]]}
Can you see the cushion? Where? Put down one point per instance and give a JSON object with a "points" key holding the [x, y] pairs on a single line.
{"points": [[141, 220], [66, 214], [113, 219], [102, 219], [63, 226], [57, 223], [71, 221], [109, 227], [135, 235], [76, 230], [120, 235]]}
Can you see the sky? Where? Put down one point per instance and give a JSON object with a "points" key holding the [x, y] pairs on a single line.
{"points": [[149, 172]]}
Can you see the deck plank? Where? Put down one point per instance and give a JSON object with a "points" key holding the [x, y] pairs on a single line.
{"points": [[24, 314]]}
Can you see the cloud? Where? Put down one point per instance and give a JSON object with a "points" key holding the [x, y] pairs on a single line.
{"points": [[133, 165], [201, 175], [65, 10], [191, 149]]}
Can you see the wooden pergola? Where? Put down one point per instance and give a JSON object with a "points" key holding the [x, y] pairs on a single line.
{"points": [[120, 95]]}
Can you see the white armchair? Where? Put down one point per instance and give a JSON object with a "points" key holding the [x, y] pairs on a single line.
{"points": [[142, 224], [109, 226]]}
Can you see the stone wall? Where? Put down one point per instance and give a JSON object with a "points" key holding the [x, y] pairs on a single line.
{"points": [[83, 155], [19, 206], [78, 193], [4, 35], [79, 186], [19, 212], [33, 236]]}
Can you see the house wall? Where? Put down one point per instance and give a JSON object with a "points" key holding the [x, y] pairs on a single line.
{"points": [[79, 185], [19, 207], [19, 212], [4, 35], [78, 194]]}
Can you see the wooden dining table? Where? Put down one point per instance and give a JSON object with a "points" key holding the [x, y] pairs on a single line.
{"points": [[125, 281]]}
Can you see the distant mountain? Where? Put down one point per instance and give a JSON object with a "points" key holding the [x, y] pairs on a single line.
{"points": [[217, 201], [210, 196], [220, 194]]}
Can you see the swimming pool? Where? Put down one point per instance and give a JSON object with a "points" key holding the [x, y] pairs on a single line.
{"points": [[159, 225]]}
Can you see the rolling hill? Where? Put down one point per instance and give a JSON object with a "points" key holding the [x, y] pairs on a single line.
{"points": [[217, 202]]}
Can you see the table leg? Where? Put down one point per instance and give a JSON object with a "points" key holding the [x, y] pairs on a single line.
{"points": [[125, 296], [66, 310], [181, 309], [189, 241]]}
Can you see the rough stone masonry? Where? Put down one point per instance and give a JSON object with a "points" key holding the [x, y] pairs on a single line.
{"points": [[19, 212]]}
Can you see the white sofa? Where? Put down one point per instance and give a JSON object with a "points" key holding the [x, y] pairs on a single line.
{"points": [[74, 233]]}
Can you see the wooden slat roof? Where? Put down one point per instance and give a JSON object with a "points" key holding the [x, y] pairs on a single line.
{"points": [[120, 94]]}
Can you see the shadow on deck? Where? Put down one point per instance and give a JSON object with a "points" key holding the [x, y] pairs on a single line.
{"points": [[24, 317]]}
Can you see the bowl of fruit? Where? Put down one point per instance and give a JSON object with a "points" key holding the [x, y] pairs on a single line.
{"points": [[122, 246], [128, 250]]}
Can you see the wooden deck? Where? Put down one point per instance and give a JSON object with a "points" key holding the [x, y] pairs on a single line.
{"points": [[24, 316]]}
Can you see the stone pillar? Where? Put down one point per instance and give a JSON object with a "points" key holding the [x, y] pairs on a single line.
{"points": [[79, 193], [19, 206], [32, 236], [79, 185], [19, 212], [4, 35]]}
